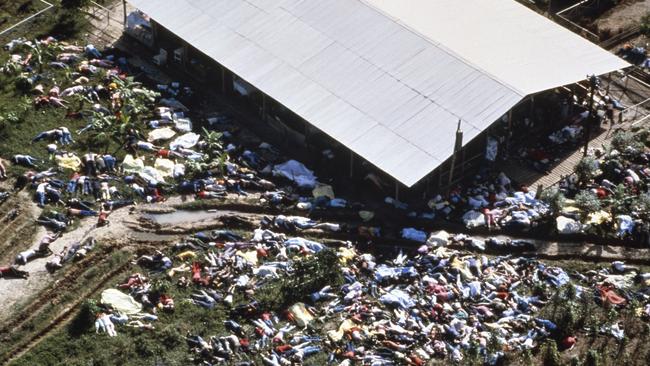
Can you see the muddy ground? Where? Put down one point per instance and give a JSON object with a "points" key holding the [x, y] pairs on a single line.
{"points": [[624, 16]]}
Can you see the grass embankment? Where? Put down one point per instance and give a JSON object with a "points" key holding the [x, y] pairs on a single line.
{"points": [[14, 11], [19, 120], [71, 284], [77, 344]]}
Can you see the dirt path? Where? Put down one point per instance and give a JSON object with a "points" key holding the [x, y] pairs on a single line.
{"points": [[16, 292]]}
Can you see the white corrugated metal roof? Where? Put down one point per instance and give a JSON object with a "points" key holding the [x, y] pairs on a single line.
{"points": [[380, 76]]}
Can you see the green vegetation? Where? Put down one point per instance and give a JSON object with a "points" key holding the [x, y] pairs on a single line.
{"points": [[310, 275], [587, 169], [587, 202], [78, 343], [645, 24], [555, 198]]}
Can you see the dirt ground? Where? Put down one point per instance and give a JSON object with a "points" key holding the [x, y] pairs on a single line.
{"points": [[15, 292], [624, 16]]}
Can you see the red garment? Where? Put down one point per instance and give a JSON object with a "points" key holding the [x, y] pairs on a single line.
{"points": [[196, 272], [609, 297], [262, 253], [417, 360], [166, 300], [164, 153], [537, 154], [568, 342], [283, 348]]}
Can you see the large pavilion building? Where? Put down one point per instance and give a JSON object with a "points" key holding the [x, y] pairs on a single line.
{"points": [[387, 79]]}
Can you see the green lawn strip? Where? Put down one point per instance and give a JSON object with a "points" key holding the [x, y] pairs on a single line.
{"points": [[49, 311]]}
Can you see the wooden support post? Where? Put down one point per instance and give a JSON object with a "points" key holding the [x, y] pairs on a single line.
{"points": [[186, 53], [223, 80], [532, 109], [124, 9], [351, 164], [509, 128], [457, 146], [538, 193], [396, 190], [627, 78], [427, 190], [590, 118], [264, 107]]}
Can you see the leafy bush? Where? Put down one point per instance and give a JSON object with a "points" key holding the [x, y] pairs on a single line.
{"points": [[587, 202], [551, 355], [623, 140], [645, 24], [555, 198], [309, 275], [84, 319], [587, 169], [74, 4], [642, 205], [68, 24], [593, 358]]}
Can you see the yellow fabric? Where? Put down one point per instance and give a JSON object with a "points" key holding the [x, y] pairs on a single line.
{"points": [[68, 162], [250, 256], [460, 266], [346, 254], [301, 315], [164, 166], [132, 165], [120, 301], [597, 218], [337, 335], [186, 255], [324, 190], [165, 133]]}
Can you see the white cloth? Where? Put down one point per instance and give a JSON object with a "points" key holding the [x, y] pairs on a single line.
{"points": [[296, 172]]}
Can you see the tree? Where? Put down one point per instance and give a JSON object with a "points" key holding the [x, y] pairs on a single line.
{"points": [[645, 24], [626, 140], [551, 355], [587, 169], [213, 143], [308, 275], [555, 198], [587, 202], [74, 4], [593, 358], [642, 205]]}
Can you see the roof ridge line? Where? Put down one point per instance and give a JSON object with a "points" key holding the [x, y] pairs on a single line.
{"points": [[444, 48]]}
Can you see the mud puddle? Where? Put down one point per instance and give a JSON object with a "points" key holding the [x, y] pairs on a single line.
{"points": [[183, 217]]}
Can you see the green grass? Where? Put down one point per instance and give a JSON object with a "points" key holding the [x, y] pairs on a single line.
{"points": [[15, 10]]}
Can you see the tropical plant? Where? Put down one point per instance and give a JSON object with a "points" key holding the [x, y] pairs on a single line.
{"points": [[587, 169], [642, 205], [625, 140], [555, 198], [74, 4], [645, 24], [213, 142], [551, 355], [620, 201], [587, 202]]}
